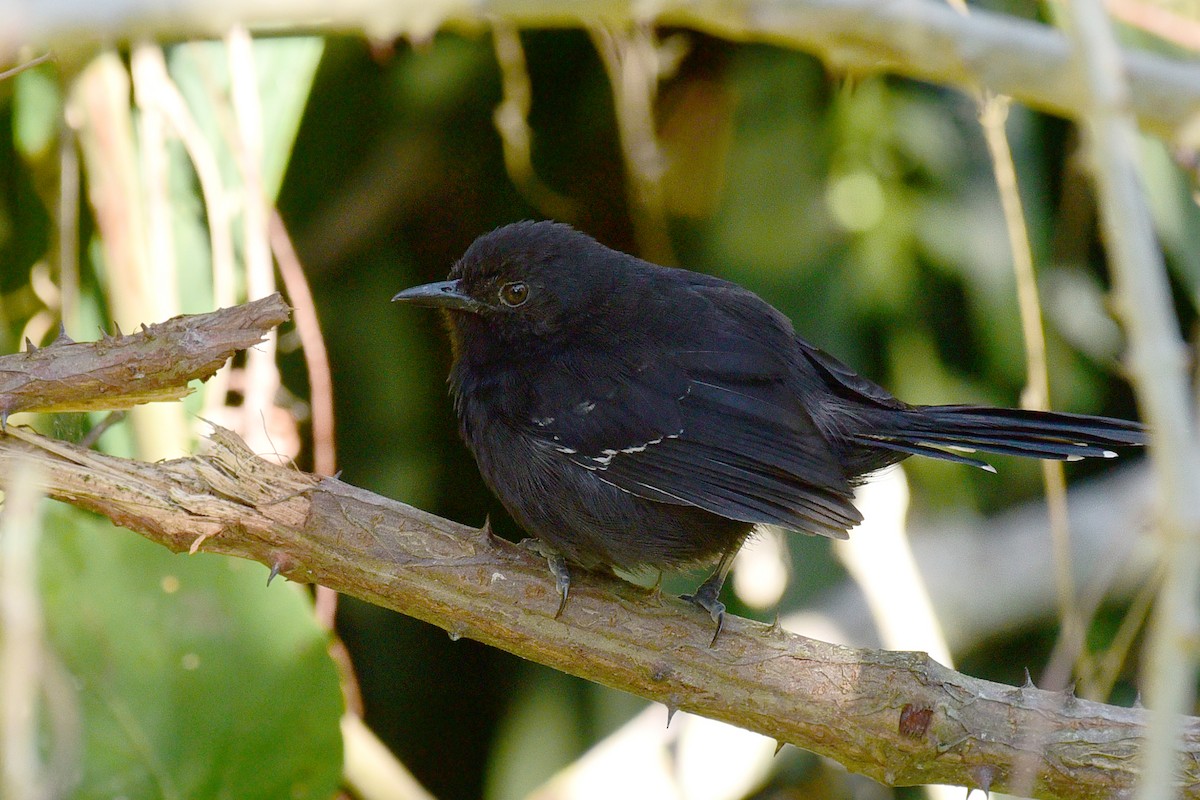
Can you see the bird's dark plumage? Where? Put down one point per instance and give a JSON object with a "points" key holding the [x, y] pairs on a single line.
{"points": [[632, 415]]}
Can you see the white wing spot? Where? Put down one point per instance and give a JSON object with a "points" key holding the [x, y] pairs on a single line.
{"points": [[542, 422], [640, 447], [606, 456], [583, 407]]}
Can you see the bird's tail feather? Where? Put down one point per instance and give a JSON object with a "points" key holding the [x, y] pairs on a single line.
{"points": [[946, 432]]}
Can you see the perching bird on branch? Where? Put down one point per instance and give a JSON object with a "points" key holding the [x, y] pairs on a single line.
{"points": [[630, 415]]}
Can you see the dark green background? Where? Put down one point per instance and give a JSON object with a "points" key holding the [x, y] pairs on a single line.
{"points": [[397, 167]]}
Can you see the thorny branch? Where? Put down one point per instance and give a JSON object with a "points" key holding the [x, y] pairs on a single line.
{"points": [[123, 370], [898, 717]]}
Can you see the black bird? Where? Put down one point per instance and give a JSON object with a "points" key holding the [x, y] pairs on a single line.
{"points": [[631, 415]]}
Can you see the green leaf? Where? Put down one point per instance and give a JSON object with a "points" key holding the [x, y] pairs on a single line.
{"points": [[192, 678], [284, 67], [37, 105]]}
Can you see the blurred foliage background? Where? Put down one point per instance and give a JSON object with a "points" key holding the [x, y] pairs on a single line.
{"points": [[864, 208]]}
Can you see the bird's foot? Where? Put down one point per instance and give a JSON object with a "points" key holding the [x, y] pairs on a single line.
{"points": [[558, 568], [706, 598], [562, 580]]}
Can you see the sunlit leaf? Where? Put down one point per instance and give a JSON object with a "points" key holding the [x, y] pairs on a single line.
{"points": [[37, 106]]}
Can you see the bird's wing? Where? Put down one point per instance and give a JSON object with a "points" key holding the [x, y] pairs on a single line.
{"points": [[844, 381], [715, 426]]}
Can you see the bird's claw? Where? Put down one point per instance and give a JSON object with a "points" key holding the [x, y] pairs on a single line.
{"points": [[655, 592], [558, 568], [706, 598], [562, 580]]}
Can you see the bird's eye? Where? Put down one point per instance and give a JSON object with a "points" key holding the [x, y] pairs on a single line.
{"points": [[514, 294]]}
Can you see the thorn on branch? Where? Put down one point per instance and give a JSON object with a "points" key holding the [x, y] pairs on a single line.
{"points": [[280, 562], [199, 540], [983, 776], [488, 534]]}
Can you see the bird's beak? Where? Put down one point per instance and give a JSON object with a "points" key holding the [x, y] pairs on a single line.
{"points": [[444, 294]]}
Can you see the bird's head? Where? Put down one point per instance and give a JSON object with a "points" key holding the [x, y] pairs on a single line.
{"points": [[524, 283]]}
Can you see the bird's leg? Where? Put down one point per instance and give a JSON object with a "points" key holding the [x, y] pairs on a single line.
{"points": [[558, 568], [655, 591], [706, 597]]}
